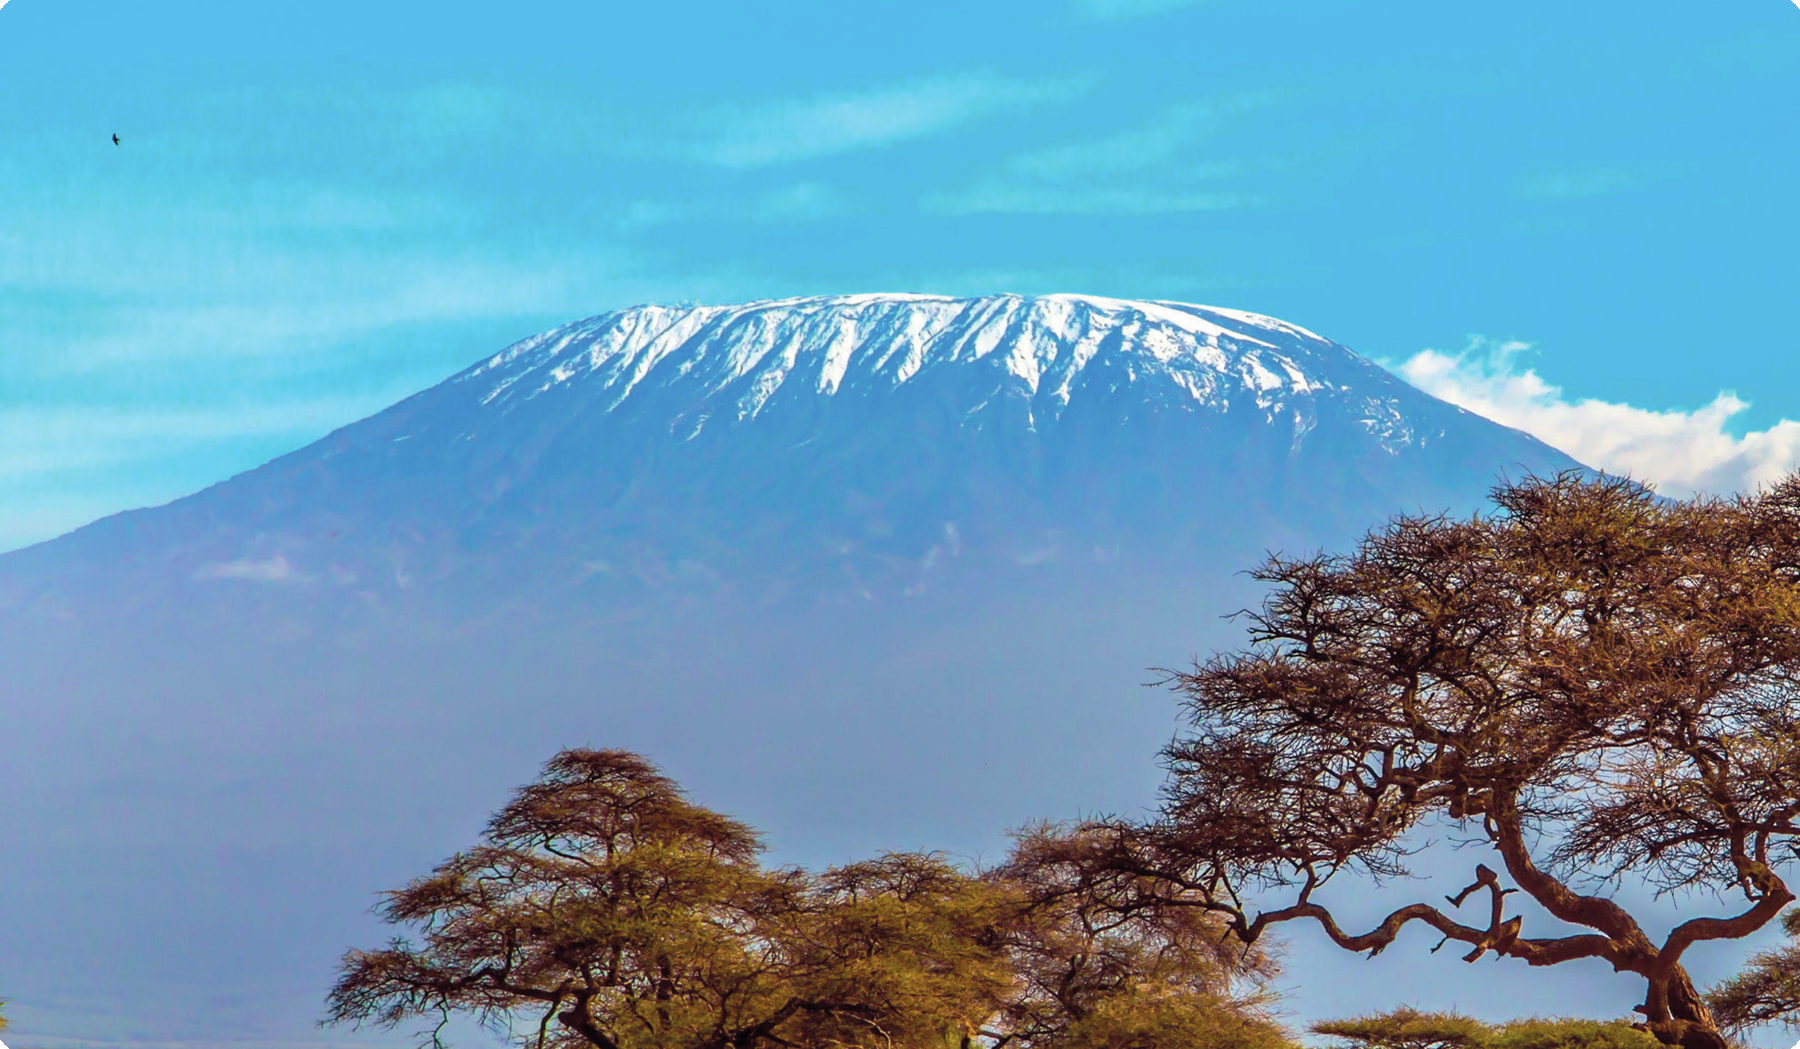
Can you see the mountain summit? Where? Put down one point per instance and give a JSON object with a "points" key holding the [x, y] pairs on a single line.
{"points": [[852, 444], [1045, 355]]}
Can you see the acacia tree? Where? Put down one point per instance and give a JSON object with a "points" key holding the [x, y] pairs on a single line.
{"points": [[605, 909], [610, 911], [1597, 683], [1768, 990], [1407, 1029], [1412, 1029], [905, 944], [1094, 967]]}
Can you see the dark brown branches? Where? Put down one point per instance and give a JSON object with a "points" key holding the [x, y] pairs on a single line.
{"points": [[604, 909], [1597, 682], [1768, 990], [1097, 965], [613, 912]]}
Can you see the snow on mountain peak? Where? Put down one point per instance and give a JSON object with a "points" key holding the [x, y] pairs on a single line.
{"points": [[865, 437], [737, 359]]}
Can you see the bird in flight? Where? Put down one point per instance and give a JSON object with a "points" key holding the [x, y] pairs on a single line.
{"points": [[115, 138]]}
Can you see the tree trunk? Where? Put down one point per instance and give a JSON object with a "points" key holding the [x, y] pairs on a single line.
{"points": [[1691, 1024], [577, 1019]]}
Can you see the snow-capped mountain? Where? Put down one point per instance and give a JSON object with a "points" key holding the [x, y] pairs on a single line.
{"points": [[856, 444], [734, 363], [871, 572]]}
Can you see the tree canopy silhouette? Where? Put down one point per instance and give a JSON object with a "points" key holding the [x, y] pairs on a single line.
{"points": [[1768, 990], [619, 914], [1411, 1029], [1596, 683], [1094, 968], [606, 909]]}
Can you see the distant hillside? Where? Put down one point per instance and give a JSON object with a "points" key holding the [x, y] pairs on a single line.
{"points": [[852, 446]]}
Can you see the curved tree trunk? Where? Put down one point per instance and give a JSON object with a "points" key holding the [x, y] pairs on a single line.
{"points": [[1691, 1024]]}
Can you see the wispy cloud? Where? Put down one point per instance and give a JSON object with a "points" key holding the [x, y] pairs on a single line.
{"points": [[1566, 185], [1681, 452], [796, 203], [1111, 10], [274, 569], [84, 437], [838, 122], [999, 198], [284, 325], [62, 466], [1147, 169]]}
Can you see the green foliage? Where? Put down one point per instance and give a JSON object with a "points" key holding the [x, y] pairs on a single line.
{"points": [[1408, 1029], [1411, 1029], [1095, 965], [904, 936], [603, 908], [1571, 1034], [1163, 1018], [1595, 682], [1768, 990]]}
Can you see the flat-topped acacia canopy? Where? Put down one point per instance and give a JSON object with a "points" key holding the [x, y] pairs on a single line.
{"points": [[1598, 681]]}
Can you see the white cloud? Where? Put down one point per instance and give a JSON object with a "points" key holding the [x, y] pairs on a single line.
{"points": [[797, 203], [838, 122], [289, 321], [1143, 170], [274, 569], [1681, 452]]}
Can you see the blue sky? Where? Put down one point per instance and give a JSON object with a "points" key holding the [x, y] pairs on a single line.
{"points": [[1586, 211]]}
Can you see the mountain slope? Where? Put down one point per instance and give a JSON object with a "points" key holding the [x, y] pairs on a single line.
{"points": [[829, 446]]}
